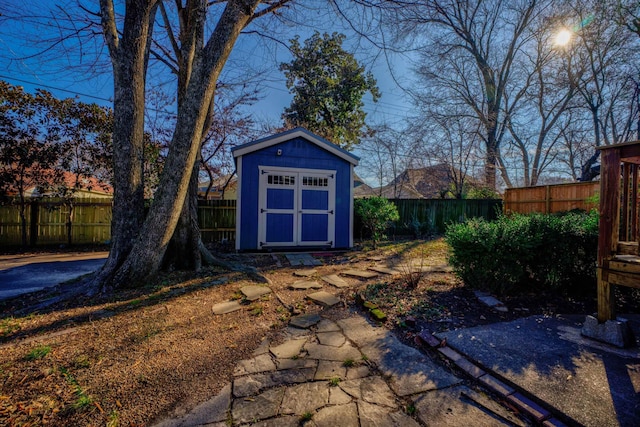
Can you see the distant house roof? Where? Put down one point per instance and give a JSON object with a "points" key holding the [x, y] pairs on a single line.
{"points": [[430, 182], [259, 144], [85, 186]]}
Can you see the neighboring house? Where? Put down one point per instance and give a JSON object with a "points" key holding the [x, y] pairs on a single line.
{"points": [[88, 187], [223, 188], [431, 182], [295, 190]]}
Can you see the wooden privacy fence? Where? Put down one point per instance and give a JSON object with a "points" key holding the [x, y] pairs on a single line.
{"points": [[47, 222], [47, 219], [433, 215], [217, 220], [552, 198]]}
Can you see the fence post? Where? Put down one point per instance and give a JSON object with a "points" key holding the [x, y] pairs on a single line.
{"points": [[34, 216]]}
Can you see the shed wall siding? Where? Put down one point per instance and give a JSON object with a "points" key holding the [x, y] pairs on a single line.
{"points": [[296, 153]]}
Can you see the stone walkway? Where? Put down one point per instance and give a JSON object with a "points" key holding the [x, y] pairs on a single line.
{"points": [[344, 373], [351, 372]]}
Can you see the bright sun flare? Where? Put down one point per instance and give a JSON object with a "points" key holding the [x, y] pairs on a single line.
{"points": [[563, 38]]}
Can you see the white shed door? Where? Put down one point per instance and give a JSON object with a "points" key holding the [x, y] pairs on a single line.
{"points": [[296, 207]]}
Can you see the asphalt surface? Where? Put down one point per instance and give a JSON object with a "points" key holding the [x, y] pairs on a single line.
{"points": [[20, 274]]}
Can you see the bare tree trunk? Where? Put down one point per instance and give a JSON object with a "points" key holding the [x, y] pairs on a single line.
{"points": [[148, 252], [129, 57]]}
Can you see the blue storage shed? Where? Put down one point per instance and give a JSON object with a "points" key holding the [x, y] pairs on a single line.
{"points": [[295, 189]]}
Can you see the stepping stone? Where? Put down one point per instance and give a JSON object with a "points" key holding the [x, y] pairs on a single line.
{"points": [[304, 321], [385, 270], [305, 273], [302, 259], [289, 349], [490, 301], [335, 280], [226, 307], [375, 258], [324, 298], [305, 285], [253, 292], [359, 273]]}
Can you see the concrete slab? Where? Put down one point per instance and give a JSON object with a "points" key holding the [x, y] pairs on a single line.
{"points": [[445, 408], [592, 383], [335, 280]]}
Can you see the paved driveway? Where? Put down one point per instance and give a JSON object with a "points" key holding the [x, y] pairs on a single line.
{"points": [[20, 274]]}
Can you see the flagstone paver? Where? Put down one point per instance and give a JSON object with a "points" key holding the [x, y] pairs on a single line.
{"points": [[326, 325], [371, 389], [362, 274], [339, 415], [305, 284], [253, 292], [305, 398], [304, 321], [226, 307], [305, 273], [335, 280], [324, 298], [288, 349], [261, 363], [283, 364], [334, 339], [264, 405], [329, 369], [282, 382], [326, 352], [250, 385], [409, 371]]}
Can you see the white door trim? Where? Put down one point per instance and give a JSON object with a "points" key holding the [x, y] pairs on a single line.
{"points": [[298, 187]]}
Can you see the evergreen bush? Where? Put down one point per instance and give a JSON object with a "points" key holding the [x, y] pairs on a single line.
{"points": [[518, 253]]}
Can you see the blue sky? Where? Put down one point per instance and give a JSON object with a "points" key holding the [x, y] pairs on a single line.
{"points": [[20, 65]]}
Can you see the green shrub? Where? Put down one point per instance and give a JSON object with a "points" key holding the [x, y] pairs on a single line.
{"points": [[376, 214], [526, 252]]}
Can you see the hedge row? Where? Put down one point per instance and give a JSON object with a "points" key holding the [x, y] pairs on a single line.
{"points": [[519, 253]]}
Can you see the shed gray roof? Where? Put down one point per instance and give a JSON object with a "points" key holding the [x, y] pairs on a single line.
{"points": [[259, 144]]}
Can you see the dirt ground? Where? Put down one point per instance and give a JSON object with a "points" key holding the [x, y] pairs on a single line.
{"points": [[139, 356]]}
